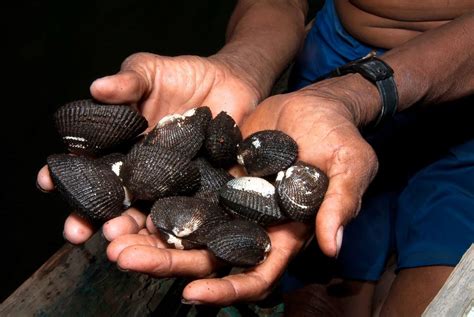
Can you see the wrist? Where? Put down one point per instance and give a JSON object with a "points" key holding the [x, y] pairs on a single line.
{"points": [[248, 65], [359, 96]]}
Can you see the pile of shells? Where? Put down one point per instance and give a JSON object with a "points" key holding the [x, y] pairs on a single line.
{"points": [[179, 166]]}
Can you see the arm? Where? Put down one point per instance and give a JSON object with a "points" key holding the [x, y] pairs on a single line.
{"points": [[435, 67], [263, 37]]}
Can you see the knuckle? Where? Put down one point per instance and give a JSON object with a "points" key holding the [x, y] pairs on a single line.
{"points": [[136, 58]]}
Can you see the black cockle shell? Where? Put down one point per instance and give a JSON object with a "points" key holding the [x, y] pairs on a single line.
{"points": [[251, 198], [300, 191], [212, 180], [267, 152], [239, 242], [182, 133], [222, 137], [187, 219], [91, 128], [151, 172], [91, 188]]}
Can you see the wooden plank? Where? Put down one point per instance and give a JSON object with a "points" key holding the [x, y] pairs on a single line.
{"points": [[79, 280], [456, 297]]}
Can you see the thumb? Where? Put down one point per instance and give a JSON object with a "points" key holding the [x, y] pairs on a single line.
{"points": [[126, 86], [340, 205]]}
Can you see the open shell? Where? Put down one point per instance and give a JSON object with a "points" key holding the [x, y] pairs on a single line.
{"points": [[251, 198], [301, 190], [239, 242], [90, 187], [91, 128]]}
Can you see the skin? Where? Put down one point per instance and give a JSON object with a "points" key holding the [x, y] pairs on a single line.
{"points": [[323, 118], [390, 23]]}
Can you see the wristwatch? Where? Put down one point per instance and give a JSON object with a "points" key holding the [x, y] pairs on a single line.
{"points": [[379, 73]]}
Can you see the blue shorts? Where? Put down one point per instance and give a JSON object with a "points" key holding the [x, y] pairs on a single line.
{"points": [[421, 204]]}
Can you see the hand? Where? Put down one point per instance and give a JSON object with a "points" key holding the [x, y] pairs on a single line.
{"points": [[147, 253], [159, 86], [324, 127]]}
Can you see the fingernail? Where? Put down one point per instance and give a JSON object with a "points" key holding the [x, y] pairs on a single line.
{"points": [[40, 188], [190, 302], [339, 234], [102, 234], [121, 269]]}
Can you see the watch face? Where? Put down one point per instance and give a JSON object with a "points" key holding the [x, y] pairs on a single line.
{"points": [[376, 69], [371, 68]]}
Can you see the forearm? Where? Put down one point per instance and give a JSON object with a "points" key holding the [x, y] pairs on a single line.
{"points": [[262, 38], [435, 67]]}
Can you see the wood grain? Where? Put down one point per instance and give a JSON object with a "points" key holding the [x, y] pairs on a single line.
{"points": [[456, 297]]}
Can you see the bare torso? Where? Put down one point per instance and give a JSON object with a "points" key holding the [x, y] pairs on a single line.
{"points": [[389, 23]]}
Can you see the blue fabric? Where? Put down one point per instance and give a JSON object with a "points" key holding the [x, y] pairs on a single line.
{"points": [[421, 204], [327, 46], [435, 214]]}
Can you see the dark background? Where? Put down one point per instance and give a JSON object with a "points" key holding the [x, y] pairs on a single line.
{"points": [[53, 50]]}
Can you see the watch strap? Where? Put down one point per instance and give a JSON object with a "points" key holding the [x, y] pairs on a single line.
{"points": [[380, 74]]}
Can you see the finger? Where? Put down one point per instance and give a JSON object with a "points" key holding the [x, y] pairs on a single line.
{"points": [[265, 116], [144, 232], [237, 171], [249, 286], [77, 230], [138, 216], [225, 100], [256, 283], [340, 205], [120, 243], [131, 221], [150, 226], [43, 180], [166, 262], [127, 86]]}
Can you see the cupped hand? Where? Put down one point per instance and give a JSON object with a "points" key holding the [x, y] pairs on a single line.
{"points": [[157, 86], [324, 128], [147, 253]]}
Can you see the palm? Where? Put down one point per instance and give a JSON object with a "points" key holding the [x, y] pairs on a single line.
{"points": [[328, 139], [175, 84]]}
